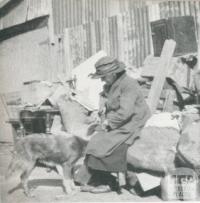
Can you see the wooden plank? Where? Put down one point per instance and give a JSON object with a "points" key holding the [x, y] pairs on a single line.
{"points": [[159, 79]]}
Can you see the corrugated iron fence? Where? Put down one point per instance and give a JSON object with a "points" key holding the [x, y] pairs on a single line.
{"points": [[180, 8], [70, 13], [125, 36], [120, 27]]}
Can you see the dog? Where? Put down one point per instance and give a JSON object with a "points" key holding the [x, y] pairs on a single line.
{"points": [[47, 149]]}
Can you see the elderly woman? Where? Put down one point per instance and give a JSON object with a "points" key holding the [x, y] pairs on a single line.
{"points": [[124, 113]]}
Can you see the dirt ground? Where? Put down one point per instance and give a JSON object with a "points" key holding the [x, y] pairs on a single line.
{"points": [[48, 187]]}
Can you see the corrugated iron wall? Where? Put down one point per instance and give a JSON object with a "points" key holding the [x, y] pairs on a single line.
{"points": [[180, 8], [125, 36], [120, 27], [69, 13], [177, 8]]}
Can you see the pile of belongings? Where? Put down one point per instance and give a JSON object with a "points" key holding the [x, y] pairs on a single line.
{"points": [[166, 138], [188, 147]]}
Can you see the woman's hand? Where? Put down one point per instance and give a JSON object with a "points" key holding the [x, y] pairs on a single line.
{"points": [[105, 125]]}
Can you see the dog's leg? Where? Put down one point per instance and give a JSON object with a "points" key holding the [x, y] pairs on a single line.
{"points": [[24, 178], [67, 178]]}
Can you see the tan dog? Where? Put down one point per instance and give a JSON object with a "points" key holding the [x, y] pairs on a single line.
{"points": [[51, 150]]}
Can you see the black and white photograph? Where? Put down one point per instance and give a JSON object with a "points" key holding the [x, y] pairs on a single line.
{"points": [[99, 101]]}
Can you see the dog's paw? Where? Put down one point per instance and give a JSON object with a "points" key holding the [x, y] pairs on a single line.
{"points": [[68, 190], [70, 187], [67, 186], [60, 197]]}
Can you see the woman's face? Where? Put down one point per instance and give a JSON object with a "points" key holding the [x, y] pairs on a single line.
{"points": [[109, 79]]}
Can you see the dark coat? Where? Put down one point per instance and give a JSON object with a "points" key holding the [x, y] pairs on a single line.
{"points": [[126, 112]]}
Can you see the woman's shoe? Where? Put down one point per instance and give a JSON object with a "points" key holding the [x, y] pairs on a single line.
{"points": [[101, 189]]}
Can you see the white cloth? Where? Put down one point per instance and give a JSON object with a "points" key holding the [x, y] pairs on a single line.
{"points": [[88, 88], [148, 181], [164, 119]]}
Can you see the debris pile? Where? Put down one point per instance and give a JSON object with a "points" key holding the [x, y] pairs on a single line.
{"points": [[171, 134], [170, 138]]}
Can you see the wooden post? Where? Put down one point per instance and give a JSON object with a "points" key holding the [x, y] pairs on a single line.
{"points": [[51, 23], [67, 55], [120, 34], [161, 73], [198, 40], [197, 71]]}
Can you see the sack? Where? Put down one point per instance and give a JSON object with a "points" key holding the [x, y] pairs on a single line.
{"points": [[155, 149], [189, 145]]}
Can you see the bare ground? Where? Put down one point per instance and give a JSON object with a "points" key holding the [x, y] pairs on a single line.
{"points": [[48, 187]]}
